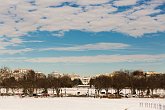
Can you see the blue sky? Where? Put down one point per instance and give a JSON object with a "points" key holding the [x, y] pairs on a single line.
{"points": [[83, 36]]}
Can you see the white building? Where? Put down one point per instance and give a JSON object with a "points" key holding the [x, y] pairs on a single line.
{"points": [[19, 73], [149, 73], [40, 74], [55, 74], [85, 80], [74, 76]]}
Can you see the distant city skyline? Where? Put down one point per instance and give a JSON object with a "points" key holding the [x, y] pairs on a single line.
{"points": [[86, 37]]}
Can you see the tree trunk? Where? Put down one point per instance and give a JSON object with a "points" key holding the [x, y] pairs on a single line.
{"points": [[118, 92], [106, 91], [98, 91], [58, 92], [13, 91], [152, 91], [36, 90], [53, 91], [133, 91], [7, 90], [148, 92], [65, 92]]}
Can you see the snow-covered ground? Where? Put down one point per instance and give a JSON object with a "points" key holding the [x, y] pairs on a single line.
{"points": [[70, 103]]}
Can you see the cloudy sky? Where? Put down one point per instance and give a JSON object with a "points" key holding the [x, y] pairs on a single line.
{"points": [[83, 36]]}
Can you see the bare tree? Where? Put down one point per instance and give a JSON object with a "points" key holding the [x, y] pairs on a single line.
{"points": [[101, 82], [120, 81], [55, 84]]}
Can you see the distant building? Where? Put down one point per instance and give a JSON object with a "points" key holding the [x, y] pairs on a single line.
{"points": [[74, 76], [55, 74], [20, 73], [5, 73], [40, 75], [149, 73], [85, 80]]}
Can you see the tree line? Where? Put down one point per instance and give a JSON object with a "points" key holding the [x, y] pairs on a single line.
{"points": [[30, 83], [133, 80], [136, 81]]}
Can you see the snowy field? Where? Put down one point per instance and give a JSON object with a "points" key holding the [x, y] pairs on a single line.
{"points": [[68, 103]]}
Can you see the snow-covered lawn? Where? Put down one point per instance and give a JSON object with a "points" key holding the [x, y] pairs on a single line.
{"points": [[69, 103]]}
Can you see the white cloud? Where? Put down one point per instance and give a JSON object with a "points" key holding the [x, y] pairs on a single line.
{"points": [[20, 17], [18, 51], [125, 2], [6, 45], [90, 2], [96, 46], [16, 41], [59, 34], [4, 42], [34, 41], [100, 59], [13, 59]]}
